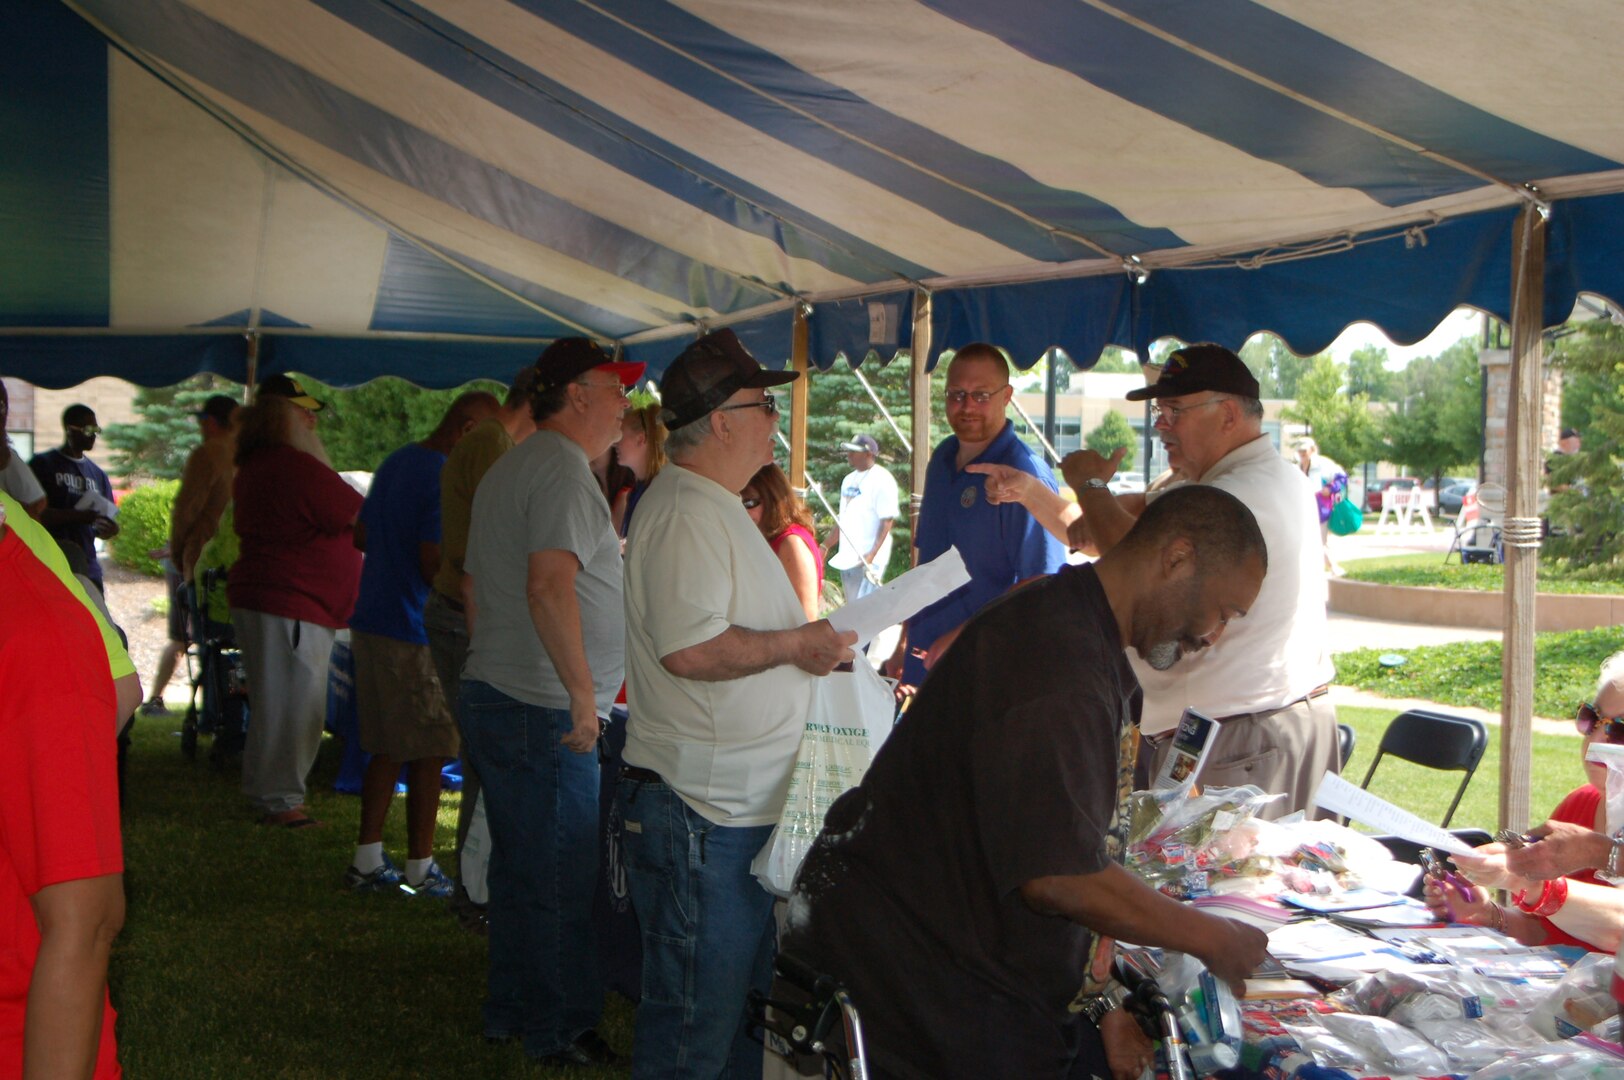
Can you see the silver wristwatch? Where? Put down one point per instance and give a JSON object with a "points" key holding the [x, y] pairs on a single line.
{"points": [[1094, 482], [1097, 1005]]}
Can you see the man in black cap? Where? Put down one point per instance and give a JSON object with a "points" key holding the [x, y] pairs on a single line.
{"points": [[868, 509], [205, 488], [1267, 679], [719, 667], [545, 663]]}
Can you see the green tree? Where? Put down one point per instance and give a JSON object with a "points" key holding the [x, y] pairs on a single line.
{"points": [[1112, 433], [1115, 361], [838, 409], [1368, 374], [1340, 422], [362, 426], [1587, 488], [155, 446], [1277, 368], [1437, 422]]}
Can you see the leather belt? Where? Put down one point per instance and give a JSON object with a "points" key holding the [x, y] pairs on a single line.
{"points": [[642, 776], [1317, 692]]}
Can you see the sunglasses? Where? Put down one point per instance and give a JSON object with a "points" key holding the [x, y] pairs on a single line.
{"points": [[980, 397], [769, 403], [1587, 720], [87, 429], [751, 504]]}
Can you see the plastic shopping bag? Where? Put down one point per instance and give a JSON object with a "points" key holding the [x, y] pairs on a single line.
{"points": [[849, 716], [476, 855], [1345, 518]]}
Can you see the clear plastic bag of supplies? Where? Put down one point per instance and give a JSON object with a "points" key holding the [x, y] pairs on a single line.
{"points": [[1583, 999], [849, 716], [1367, 1045], [1474, 1044], [1556, 1061]]}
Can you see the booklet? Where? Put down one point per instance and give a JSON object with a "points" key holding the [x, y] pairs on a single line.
{"points": [[1192, 740]]}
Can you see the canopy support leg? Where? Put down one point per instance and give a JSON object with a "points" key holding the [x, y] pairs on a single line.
{"points": [[919, 397], [1521, 529]]}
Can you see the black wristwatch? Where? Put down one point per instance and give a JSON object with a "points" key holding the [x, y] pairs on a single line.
{"points": [[1097, 1005]]}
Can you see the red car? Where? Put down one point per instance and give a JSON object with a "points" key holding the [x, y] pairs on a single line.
{"points": [[1373, 493]]}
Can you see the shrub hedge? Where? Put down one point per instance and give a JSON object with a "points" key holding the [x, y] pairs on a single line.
{"points": [[143, 525]]}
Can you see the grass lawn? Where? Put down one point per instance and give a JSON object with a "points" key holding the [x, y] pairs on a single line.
{"points": [[1429, 569], [1468, 672], [243, 955], [1554, 771]]}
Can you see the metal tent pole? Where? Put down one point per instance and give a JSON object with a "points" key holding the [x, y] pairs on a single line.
{"points": [[800, 394], [919, 393]]}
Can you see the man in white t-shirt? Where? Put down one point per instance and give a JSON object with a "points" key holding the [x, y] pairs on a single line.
{"points": [[868, 509], [719, 667], [1267, 680]]}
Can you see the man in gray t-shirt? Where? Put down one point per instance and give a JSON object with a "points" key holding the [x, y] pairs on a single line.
{"points": [[546, 658]]}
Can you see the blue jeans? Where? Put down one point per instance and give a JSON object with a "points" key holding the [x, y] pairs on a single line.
{"points": [[541, 802], [708, 937], [855, 584]]}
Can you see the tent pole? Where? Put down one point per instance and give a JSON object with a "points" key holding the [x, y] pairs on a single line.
{"points": [[1521, 528], [800, 396], [252, 366], [919, 397]]}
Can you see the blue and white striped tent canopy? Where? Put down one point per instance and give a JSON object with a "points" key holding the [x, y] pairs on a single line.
{"points": [[434, 188]]}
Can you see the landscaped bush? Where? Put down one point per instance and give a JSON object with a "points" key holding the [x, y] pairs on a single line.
{"points": [[143, 525], [1468, 672], [1554, 575]]}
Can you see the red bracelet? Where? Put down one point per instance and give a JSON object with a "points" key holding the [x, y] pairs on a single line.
{"points": [[1552, 895]]}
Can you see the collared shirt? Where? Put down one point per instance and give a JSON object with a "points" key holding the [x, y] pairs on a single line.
{"points": [[1276, 653], [1002, 545]]}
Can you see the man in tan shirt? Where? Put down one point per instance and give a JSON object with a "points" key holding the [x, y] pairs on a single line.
{"points": [[205, 488]]}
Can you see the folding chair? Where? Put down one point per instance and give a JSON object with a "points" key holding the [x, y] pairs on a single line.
{"points": [[1345, 739], [1408, 851], [1436, 741]]}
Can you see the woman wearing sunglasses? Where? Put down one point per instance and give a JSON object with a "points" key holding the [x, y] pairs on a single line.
{"points": [[1563, 901], [787, 524]]}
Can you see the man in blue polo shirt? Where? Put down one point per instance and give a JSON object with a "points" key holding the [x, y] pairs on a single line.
{"points": [[1002, 545]]}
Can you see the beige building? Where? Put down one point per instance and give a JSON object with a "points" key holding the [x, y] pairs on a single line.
{"points": [[35, 423]]}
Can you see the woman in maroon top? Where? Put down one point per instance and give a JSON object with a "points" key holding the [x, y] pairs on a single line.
{"points": [[293, 586], [787, 524]]}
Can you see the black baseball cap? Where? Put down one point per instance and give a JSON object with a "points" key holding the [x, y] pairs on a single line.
{"points": [[218, 408], [288, 387], [1195, 368], [707, 373], [567, 359], [862, 444]]}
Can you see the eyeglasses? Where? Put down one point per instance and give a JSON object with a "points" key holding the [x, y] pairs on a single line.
{"points": [[621, 388], [751, 504], [1612, 728], [980, 397], [87, 429], [769, 403], [1171, 413]]}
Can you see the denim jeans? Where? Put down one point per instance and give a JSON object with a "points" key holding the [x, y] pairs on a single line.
{"points": [[855, 584], [708, 937], [541, 801]]}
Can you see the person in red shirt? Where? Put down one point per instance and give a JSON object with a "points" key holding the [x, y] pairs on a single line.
{"points": [[293, 586], [61, 856]]}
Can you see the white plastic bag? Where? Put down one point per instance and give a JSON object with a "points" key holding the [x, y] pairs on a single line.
{"points": [[476, 855], [849, 716]]}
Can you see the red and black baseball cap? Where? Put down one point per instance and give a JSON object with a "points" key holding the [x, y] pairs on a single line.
{"points": [[707, 373], [567, 359], [1195, 368]]}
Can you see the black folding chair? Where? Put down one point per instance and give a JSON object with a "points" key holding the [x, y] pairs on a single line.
{"points": [[1408, 851], [1345, 738], [1436, 741]]}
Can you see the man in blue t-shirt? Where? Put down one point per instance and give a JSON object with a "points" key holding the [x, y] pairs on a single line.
{"points": [[79, 507], [403, 715], [1002, 545]]}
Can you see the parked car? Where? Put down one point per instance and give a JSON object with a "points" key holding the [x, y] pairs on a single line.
{"points": [[1373, 493], [1451, 498], [1126, 484]]}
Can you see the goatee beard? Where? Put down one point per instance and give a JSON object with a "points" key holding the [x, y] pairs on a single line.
{"points": [[1163, 656]]}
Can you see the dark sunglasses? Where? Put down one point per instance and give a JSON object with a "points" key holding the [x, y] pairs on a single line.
{"points": [[1612, 728], [769, 403], [751, 504]]}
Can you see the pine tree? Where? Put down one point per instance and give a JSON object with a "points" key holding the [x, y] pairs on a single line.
{"points": [[155, 446]]}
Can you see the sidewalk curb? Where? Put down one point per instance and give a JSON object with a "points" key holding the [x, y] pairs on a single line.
{"points": [[1349, 695]]}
